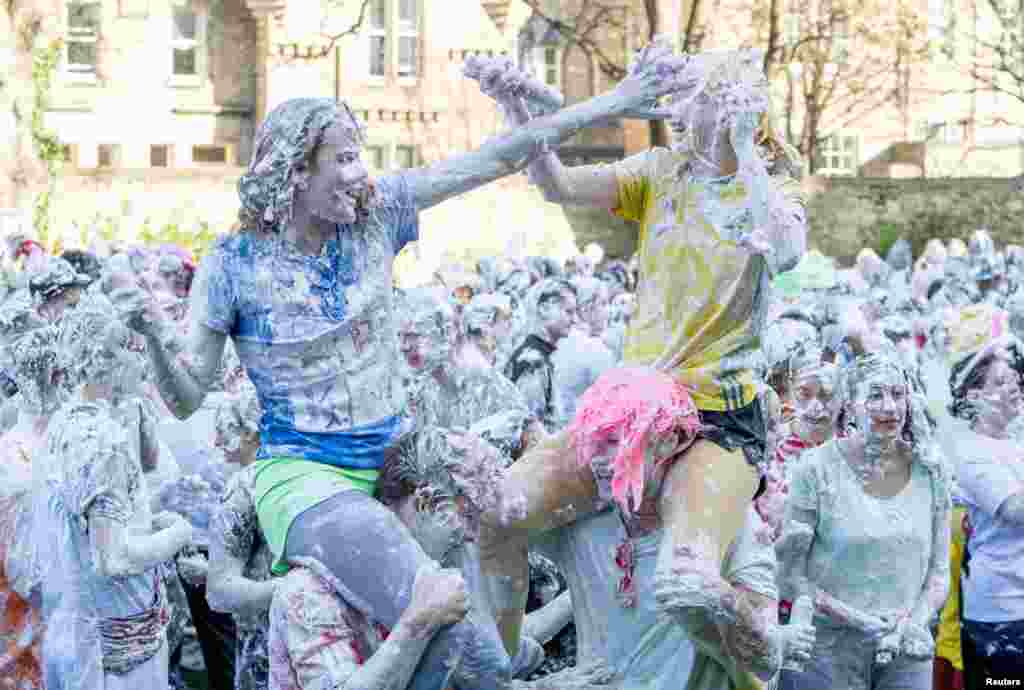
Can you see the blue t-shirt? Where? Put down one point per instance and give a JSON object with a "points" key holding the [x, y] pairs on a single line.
{"points": [[316, 334]]}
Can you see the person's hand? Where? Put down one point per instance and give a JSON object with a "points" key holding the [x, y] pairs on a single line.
{"points": [[656, 72], [501, 80], [166, 519], [891, 643], [917, 642], [797, 642], [136, 306], [741, 135], [193, 569], [439, 598]]}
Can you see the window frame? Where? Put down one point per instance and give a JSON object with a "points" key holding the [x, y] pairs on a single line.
{"points": [[392, 35], [408, 31], [413, 150], [379, 33], [168, 153], [836, 153], [371, 164], [197, 44], [80, 36], [229, 155]]}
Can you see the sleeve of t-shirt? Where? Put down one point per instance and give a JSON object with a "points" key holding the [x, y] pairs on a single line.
{"points": [[987, 485], [633, 176], [214, 302], [399, 212]]}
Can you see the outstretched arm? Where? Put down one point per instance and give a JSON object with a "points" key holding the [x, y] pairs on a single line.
{"points": [[653, 76], [589, 185]]}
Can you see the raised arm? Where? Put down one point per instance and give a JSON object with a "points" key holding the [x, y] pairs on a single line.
{"points": [[654, 75], [185, 367], [589, 185]]}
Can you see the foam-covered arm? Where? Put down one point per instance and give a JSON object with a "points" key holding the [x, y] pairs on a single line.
{"points": [[849, 616], [656, 72], [509, 152], [186, 368], [799, 524], [1012, 510], [228, 591], [546, 622], [935, 590], [118, 551]]}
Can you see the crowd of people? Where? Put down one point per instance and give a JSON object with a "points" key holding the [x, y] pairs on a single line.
{"points": [[724, 463]]}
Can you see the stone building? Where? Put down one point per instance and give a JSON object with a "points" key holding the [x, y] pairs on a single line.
{"points": [[156, 101]]}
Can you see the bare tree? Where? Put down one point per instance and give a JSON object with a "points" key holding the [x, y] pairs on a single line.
{"points": [[843, 60], [23, 170], [993, 62]]}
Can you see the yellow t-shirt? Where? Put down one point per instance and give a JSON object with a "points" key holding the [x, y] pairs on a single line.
{"points": [[947, 640], [701, 299]]}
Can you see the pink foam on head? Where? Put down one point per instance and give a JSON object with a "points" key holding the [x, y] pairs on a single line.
{"points": [[631, 407]]}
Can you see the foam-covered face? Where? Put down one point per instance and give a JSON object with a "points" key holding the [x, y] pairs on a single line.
{"points": [[338, 182], [698, 124], [424, 345], [999, 396], [517, 284], [38, 382], [881, 405], [557, 316], [655, 453], [106, 360], [434, 522], [816, 400], [622, 306], [595, 314], [53, 309]]}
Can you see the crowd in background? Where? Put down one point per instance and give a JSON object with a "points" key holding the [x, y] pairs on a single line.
{"points": [[504, 351]]}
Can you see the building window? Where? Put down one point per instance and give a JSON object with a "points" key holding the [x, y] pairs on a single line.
{"points": [[210, 155], [107, 155], [159, 156], [405, 157], [82, 36], [551, 66], [837, 155], [408, 38], [941, 132], [184, 39], [394, 38], [791, 28], [375, 157], [378, 38], [942, 26], [841, 39]]}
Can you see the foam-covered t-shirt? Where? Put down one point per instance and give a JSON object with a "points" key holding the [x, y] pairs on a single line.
{"points": [[701, 300], [316, 334], [989, 471]]}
